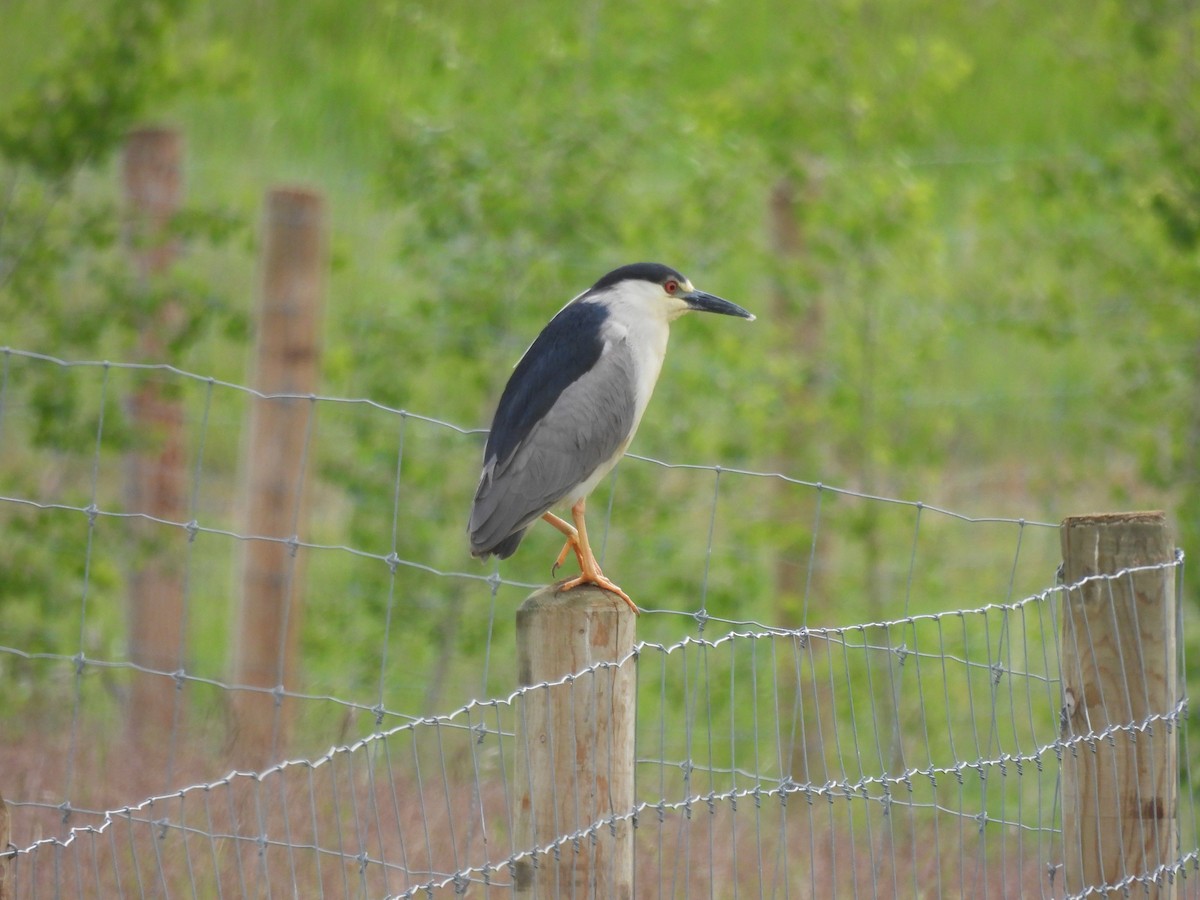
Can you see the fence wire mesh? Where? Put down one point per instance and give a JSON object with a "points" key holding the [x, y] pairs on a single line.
{"points": [[896, 729]]}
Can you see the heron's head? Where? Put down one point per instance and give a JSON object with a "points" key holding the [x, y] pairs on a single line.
{"points": [[656, 290]]}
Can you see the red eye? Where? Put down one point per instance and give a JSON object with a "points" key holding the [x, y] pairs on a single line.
{"points": [[671, 286]]}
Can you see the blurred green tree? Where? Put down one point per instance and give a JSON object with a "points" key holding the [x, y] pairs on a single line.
{"points": [[65, 277]]}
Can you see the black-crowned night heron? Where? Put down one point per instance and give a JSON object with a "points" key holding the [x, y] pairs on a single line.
{"points": [[572, 406]]}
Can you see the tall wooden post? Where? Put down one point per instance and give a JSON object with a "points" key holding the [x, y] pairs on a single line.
{"points": [[798, 313], [156, 467], [287, 361], [575, 744], [6, 885], [1119, 791]]}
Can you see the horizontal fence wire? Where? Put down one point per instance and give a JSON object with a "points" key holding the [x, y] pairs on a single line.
{"points": [[917, 751]]}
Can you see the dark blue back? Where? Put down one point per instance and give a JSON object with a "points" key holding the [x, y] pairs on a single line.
{"points": [[567, 348]]}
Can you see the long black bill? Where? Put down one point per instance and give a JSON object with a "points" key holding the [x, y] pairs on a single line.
{"points": [[702, 302]]}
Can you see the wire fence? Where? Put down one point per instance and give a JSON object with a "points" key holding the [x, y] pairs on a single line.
{"points": [[816, 715]]}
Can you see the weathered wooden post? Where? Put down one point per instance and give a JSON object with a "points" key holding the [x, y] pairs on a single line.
{"points": [[287, 361], [1120, 790], [575, 744], [156, 466], [6, 891], [799, 336]]}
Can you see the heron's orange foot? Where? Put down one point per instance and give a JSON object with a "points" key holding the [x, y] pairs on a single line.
{"points": [[573, 541], [598, 578], [577, 543], [567, 548]]}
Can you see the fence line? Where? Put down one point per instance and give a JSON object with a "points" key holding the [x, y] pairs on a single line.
{"points": [[776, 789], [914, 751], [832, 634], [314, 397]]}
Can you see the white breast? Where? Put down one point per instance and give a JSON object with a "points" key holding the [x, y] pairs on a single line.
{"points": [[639, 319]]}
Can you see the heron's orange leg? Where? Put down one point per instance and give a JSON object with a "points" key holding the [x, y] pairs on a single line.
{"points": [[571, 544], [589, 569]]}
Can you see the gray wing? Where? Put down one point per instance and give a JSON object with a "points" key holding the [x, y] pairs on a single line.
{"points": [[587, 426]]}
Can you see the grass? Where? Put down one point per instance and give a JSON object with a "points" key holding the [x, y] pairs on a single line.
{"points": [[415, 807]]}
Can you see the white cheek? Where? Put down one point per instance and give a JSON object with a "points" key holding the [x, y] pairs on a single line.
{"points": [[675, 308]]}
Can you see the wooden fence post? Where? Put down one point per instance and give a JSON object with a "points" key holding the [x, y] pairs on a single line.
{"points": [[575, 744], [5, 860], [287, 362], [799, 336], [1119, 790], [156, 467]]}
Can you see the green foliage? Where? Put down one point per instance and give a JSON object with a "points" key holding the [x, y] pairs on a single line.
{"points": [[61, 255], [1168, 93], [86, 97], [59, 233]]}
